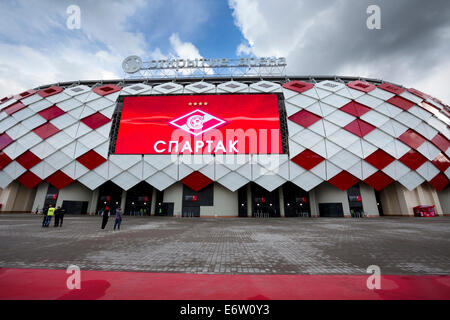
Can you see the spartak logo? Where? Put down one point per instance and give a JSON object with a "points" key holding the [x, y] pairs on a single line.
{"points": [[197, 122]]}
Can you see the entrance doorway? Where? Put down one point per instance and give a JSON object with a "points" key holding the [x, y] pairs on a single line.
{"points": [[296, 201], [110, 195], [265, 204], [242, 201], [355, 201], [139, 199], [331, 210], [193, 200]]}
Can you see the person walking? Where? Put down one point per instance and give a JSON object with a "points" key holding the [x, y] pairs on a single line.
{"points": [[44, 213], [50, 214], [105, 218], [61, 216], [118, 218], [57, 216]]}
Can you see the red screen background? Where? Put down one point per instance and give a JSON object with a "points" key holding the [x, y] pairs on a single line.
{"points": [[145, 120]]}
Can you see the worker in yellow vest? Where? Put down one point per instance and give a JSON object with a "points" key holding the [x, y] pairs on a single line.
{"points": [[50, 214]]}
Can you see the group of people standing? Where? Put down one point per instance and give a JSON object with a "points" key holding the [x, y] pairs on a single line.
{"points": [[106, 213], [49, 213], [59, 213]]}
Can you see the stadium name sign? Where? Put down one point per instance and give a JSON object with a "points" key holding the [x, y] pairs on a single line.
{"points": [[134, 64]]}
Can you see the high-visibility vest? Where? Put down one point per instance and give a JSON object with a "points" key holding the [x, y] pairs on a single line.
{"points": [[51, 211]]}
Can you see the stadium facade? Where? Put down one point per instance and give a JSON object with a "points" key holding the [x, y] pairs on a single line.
{"points": [[301, 146]]}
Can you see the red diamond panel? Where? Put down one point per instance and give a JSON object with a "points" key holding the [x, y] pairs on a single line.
{"points": [[412, 159], [359, 127], [96, 120], [441, 162], [361, 86], [298, 86], [5, 140], [379, 180], [307, 159], [14, 108], [59, 179], [4, 160], [304, 118], [46, 130], [441, 142], [380, 159], [412, 138], [3, 100], [196, 181], [343, 180], [44, 93], [391, 88], [28, 160], [400, 102], [418, 93], [24, 94], [429, 107], [106, 89], [51, 113], [355, 109], [29, 179], [439, 182], [91, 159]]}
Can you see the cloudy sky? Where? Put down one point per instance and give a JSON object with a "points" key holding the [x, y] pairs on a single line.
{"points": [[318, 37]]}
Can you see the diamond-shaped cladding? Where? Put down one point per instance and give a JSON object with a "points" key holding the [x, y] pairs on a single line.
{"points": [[361, 86], [304, 118], [418, 93], [441, 162], [44, 93], [5, 141], [441, 142], [412, 139], [46, 130], [51, 113], [14, 108], [95, 120], [379, 180], [391, 88], [196, 181], [359, 127], [4, 160], [298, 86], [379, 159], [343, 180], [400, 102], [24, 94], [59, 179], [307, 159], [28, 160], [355, 109], [91, 159], [412, 159], [106, 89], [29, 179], [439, 182]]}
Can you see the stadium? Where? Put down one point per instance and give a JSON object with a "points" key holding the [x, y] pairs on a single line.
{"points": [[291, 146]]}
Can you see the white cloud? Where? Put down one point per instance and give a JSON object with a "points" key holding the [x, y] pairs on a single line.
{"points": [[36, 47], [319, 37], [184, 50]]}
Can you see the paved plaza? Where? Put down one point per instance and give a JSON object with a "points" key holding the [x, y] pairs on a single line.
{"points": [[399, 246]]}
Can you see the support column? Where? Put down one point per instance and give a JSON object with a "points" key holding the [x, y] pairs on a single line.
{"points": [[93, 202], [280, 191], [124, 199], [153, 203]]}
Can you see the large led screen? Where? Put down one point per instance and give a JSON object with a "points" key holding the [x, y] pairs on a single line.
{"points": [[200, 124]]}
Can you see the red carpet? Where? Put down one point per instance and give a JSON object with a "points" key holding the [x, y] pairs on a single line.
{"points": [[51, 285]]}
